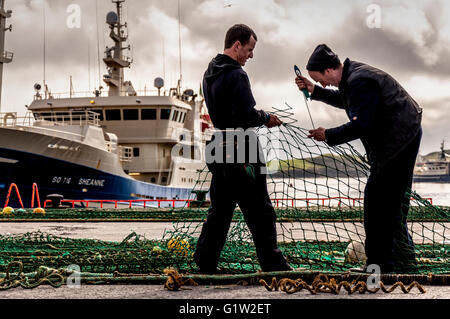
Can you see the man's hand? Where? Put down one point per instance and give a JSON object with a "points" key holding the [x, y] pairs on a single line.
{"points": [[318, 134], [273, 121], [303, 83]]}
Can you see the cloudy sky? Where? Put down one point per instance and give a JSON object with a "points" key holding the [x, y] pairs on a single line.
{"points": [[410, 39]]}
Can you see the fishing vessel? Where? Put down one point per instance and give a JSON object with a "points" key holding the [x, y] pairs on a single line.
{"points": [[434, 170], [107, 145]]}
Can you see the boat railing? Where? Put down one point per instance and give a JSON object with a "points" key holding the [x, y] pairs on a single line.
{"points": [[321, 201], [9, 119], [71, 117], [94, 94], [28, 123], [144, 202], [50, 118]]}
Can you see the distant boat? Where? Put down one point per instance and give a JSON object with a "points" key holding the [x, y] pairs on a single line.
{"points": [[433, 171]]}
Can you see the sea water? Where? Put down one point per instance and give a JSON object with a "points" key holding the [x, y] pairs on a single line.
{"points": [[438, 192], [345, 189]]}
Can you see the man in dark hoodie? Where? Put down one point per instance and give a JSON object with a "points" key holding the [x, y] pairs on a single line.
{"points": [[231, 106], [387, 120]]}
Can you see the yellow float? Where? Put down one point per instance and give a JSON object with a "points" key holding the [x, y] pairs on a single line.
{"points": [[8, 210], [39, 210]]}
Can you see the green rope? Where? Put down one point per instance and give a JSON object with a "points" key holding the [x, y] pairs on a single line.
{"points": [[42, 276]]}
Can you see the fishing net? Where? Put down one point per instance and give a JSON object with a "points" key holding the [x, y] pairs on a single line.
{"points": [[317, 193]]}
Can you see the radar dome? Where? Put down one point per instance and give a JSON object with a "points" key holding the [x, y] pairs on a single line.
{"points": [[112, 18], [159, 83]]}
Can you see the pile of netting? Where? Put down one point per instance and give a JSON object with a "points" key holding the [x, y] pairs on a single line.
{"points": [[134, 254], [317, 192]]}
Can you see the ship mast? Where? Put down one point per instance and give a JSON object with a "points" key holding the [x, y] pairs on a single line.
{"points": [[114, 59], [5, 56]]}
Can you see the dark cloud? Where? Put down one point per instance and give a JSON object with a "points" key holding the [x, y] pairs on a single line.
{"points": [[389, 50], [353, 38], [204, 24]]}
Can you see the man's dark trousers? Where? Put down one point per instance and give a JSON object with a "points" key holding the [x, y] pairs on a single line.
{"points": [[231, 185], [386, 205]]}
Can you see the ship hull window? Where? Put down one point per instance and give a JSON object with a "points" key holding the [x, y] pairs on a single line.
{"points": [[131, 114], [113, 115], [165, 114], [148, 114]]}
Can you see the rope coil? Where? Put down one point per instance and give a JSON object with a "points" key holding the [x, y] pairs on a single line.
{"points": [[44, 275], [175, 280]]}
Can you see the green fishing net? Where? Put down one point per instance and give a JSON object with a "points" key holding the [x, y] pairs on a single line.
{"points": [[317, 193]]}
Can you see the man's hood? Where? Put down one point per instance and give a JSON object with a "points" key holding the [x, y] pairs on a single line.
{"points": [[218, 65]]}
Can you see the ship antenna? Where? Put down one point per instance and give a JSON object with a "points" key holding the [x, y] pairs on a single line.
{"points": [[179, 45], [114, 59], [98, 44], [89, 63], [71, 91], [164, 59], [44, 44]]}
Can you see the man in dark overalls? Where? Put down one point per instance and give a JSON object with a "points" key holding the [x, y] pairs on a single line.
{"points": [[388, 122], [231, 106]]}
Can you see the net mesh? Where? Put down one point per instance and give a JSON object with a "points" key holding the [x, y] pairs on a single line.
{"points": [[317, 192]]}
